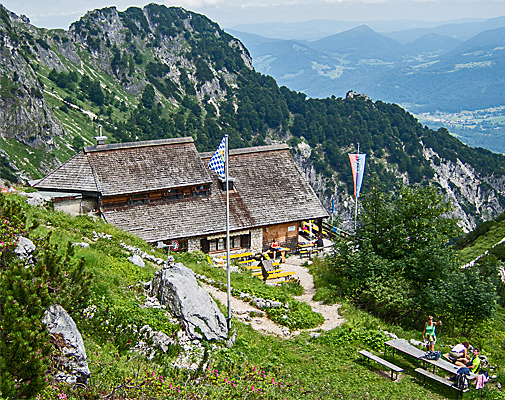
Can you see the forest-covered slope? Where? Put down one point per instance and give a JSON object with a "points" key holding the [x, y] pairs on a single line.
{"points": [[161, 72]]}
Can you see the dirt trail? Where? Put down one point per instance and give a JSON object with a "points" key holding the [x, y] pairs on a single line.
{"points": [[242, 310]]}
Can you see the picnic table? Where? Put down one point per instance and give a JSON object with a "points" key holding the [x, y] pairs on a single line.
{"points": [[281, 250], [448, 367], [405, 347], [307, 248]]}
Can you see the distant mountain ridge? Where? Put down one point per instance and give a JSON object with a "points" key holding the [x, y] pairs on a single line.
{"points": [[434, 72], [434, 43], [360, 43], [458, 30], [404, 31]]}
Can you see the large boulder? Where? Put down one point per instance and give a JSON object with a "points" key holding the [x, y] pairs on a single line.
{"points": [[176, 287], [137, 260], [25, 249], [71, 357]]}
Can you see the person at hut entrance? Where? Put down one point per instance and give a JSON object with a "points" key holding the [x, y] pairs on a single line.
{"points": [[319, 244]]}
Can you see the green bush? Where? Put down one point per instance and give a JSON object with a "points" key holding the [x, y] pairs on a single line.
{"points": [[298, 316]]}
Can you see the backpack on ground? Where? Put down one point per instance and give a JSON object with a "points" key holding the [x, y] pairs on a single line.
{"points": [[432, 355], [461, 382]]}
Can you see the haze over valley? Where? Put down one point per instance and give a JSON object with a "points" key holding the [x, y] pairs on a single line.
{"points": [[448, 74]]}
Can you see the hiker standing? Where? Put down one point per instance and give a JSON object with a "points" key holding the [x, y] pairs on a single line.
{"points": [[429, 332]]}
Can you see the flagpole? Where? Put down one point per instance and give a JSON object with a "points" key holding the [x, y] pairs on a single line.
{"points": [[356, 210], [228, 319]]}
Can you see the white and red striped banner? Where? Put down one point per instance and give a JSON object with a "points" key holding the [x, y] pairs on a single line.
{"points": [[358, 169]]}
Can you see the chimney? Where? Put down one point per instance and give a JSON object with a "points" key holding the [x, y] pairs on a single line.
{"points": [[100, 140]]}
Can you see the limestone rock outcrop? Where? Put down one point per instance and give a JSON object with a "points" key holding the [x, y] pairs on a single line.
{"points": [[176, 287], [71, 358]]}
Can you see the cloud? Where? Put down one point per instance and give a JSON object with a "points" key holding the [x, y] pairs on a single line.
{"points": [[195, 4]]}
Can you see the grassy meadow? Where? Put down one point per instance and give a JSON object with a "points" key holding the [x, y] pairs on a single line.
{"points": [[311, 365]]}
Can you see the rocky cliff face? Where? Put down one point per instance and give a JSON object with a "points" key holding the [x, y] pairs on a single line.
{"points": [[474, 198], [111, 47], [344, 204], [24, 113]]}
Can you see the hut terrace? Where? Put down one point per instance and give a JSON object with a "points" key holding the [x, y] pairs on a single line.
{"points": [[162, 190]]}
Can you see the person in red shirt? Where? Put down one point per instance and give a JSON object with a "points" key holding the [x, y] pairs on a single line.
{"points": [[274, 247]]}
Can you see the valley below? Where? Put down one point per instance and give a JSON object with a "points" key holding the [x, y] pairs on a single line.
{"points": [[480, 128]]}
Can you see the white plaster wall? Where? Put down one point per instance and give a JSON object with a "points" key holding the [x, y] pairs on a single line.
{"points": [[72, 207], [75, 206]]}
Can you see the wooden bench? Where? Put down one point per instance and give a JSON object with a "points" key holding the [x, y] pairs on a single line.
{"points": [[377, 359], [278, 275], [240, 255], [308, 249], [427, 374], [259, 273]]}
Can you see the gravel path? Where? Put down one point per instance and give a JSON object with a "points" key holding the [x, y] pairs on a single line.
{"points": [[245, 311]]}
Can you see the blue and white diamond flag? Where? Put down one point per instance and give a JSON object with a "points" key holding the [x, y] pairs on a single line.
{"points": [[216, 163]]}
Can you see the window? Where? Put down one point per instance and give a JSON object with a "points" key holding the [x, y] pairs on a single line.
{"points": [[137, 199], [231, 187], [173, 194], [114, 201], [219, 244], [183, 245], [201, 191]]}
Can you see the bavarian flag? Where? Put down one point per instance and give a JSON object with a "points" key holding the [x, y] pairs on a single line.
{"points": [[216, 163], [358, 169]]}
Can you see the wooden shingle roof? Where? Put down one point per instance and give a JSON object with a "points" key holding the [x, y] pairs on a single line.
{"points": [[76, 175], [123, 168], [269, 190], [272, 187]]}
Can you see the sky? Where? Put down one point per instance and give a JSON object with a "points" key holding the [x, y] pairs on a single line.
{"points": [[229, 13]]}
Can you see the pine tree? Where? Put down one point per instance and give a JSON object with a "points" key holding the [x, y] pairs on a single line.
{"points": [[24, 343], [29, 286]]}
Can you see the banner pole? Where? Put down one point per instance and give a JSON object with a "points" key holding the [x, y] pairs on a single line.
{"points": [[228, 319], [357, 195]]}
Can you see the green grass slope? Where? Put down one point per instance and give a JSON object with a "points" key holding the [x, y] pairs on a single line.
{"points": [[258, 366]]}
